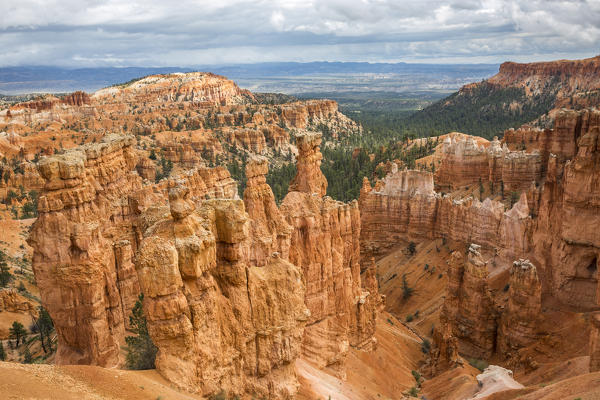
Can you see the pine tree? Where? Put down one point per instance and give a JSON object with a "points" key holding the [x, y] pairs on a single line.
{"points": [[27, 357], [5, 275], [17, 332], [2, 352], [141, 351], [45, 327]]}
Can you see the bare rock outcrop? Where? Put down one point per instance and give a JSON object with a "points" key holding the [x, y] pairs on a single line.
{"points": [[228, 284], [520, 319], [77, 270], [405, 206], [12, 301], [495, 379], [325, 244], [85, 237], [269, 228], [194, 87], [567, 244], [309, 178], [220, 321], [595, 344], [444, 354], [469, 307], [464, 162]]}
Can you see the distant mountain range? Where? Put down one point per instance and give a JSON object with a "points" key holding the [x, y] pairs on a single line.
{"points": [[285, 77]]}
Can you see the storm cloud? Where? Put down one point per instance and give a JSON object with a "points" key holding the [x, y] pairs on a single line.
{"points": [[185, 33]]}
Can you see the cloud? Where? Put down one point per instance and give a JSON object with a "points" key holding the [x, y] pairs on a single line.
{"points": [[199, 32]]}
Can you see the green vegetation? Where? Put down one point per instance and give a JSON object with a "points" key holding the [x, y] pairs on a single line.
{"points": [[479, 364], [44, 327], [17, 332], [413, 392], [164, 169], [412, 248], [407, 291], [279, 179], [5, 275], [484, 110], [2, 352], [27, 357], [426, 346], [417, 377], [344, 167], [141, 351]]}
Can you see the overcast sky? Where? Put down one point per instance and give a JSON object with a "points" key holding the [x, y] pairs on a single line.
{"points": [[197, 32]]}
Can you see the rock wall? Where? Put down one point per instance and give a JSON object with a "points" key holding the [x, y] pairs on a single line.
{"points": [[81, 217], [469, 307], [520, 319], [595, 344], [221, 321], [405, 206], [84, 240], [194, 87], [325, 245], [228, 285], [553, 224], [575, 75], [464, 163], [12, 301], [566, 242], [561, 238]]}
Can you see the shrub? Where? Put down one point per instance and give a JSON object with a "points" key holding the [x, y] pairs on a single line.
{"points": [[417, 376], [479, 364], [27, 357], [141, 351], [407, 291], [412, 248], [426, 346], [409, 318], [413, 392]]}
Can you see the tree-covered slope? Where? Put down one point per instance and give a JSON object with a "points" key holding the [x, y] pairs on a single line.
{"points": [[482, 109]]}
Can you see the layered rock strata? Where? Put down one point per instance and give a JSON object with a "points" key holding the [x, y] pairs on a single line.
{"points": [[595, 344], [561, 237], [565, 237], [228, 284], [469, 307], [84, 240], [325, 244], [520, 319], [219, 320], [464, 162], [554, 224], [83, 283], [405, 206]]}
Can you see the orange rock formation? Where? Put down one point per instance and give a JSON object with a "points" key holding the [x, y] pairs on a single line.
{"points": [[553, 224], [325, 244], [228, 285]]}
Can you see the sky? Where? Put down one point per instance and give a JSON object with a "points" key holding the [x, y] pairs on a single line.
{"points": [[94, 33]]}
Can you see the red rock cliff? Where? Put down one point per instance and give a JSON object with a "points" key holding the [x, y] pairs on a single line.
{"points": [[84, 241], [325, 244]]}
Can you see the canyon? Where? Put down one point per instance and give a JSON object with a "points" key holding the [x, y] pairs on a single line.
{"points": [[472, 275], [234, 291], [525, 264]]}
